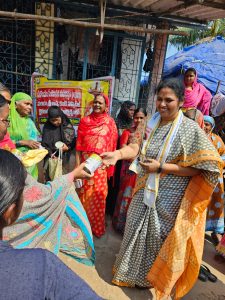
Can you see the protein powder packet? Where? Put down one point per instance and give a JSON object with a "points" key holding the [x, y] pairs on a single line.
{"points": [[93, 162]]}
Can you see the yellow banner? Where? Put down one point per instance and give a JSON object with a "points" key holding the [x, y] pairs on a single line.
{"points": [[75, 98]]}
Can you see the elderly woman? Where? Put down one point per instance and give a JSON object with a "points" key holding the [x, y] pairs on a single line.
{"points": [[215, 214], [178, 169], [196, 95], [52, 216], [97, 133], [22, 129]]}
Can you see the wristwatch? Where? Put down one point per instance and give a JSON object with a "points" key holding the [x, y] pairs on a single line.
{"points": [[160, 168]]}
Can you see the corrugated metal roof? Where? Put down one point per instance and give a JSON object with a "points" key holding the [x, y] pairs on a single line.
{"points": [[202, 10]]}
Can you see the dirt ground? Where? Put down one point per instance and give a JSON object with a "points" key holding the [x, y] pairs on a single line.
{"points": [[99, 277]]}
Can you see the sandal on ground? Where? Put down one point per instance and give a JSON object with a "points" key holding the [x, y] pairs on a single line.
{"points": [[202, 276], [205, 270]]}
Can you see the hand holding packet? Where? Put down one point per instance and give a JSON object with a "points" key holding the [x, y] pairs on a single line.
{"points": [[93, 162]]}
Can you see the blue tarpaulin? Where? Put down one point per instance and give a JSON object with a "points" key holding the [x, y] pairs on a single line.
{"points": [[207, 58]]}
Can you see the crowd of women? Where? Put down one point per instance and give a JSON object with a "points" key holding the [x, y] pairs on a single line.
{"points": [[165, 174]]}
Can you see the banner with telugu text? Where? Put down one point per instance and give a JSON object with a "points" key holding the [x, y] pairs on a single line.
{"points": [[75, 98]]}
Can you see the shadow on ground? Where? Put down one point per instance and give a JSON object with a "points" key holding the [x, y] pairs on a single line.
{"points": [[100, 276], [106, 249]]}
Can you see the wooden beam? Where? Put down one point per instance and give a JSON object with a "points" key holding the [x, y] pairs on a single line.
{"points": [[102, 14], [211, 4], [114, 10], [179, 7], [115, 27]]}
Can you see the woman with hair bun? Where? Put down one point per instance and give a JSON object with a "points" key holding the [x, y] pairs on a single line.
{"points": [[164, 234]]}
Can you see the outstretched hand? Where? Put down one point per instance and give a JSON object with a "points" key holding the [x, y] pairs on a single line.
{"points": [[109, 158], [80, 173]]}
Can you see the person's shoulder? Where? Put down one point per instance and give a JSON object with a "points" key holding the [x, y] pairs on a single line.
{"points": [[42, 258], [33, 252], [47, 126], [188, 123], [31, 121], [68, 125], [126, 132], [30, 257], [191, 129], [85, 119], [217, 138], [111, 119]]}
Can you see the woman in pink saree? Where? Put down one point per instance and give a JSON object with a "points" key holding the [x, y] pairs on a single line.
{"points": [[196, 95]]}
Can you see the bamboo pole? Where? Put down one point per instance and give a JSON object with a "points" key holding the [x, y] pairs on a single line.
{"points": [[115, 27]]}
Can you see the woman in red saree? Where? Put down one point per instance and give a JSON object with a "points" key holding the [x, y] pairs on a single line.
{"points": [[127, 177], [97, 133]]}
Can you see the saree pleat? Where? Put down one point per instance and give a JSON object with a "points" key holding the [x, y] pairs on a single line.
{"points": [[163, 245], [93, 195]]}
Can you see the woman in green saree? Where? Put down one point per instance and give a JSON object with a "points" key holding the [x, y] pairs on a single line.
{"points": [[22, 129]]}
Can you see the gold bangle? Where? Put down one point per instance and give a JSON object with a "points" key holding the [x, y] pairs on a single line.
{"points": [[121, 154]]}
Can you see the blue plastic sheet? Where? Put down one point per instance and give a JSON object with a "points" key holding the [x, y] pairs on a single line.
{"points": [[207, 58]]}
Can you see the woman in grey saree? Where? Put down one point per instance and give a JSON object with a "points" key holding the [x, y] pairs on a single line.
{"points": [[164, 233]]}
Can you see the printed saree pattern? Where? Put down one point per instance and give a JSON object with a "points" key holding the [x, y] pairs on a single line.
{"points": [[53, 218], [215, 211], [163, 245]]}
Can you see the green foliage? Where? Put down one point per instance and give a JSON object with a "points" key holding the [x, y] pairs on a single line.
{"points": [[216, 27]]}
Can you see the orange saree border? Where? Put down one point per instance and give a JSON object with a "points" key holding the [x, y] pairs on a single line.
{"points": [[177, 266], [186, 161], [120, 283], [201, 155]]}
